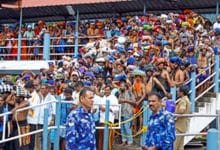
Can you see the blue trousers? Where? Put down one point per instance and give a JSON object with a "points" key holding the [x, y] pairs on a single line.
{"points": [[126, 130]]}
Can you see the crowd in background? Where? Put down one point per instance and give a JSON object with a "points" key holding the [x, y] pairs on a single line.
{"points": [[130, 58]]}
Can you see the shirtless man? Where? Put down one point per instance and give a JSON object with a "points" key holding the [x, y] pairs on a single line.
{"points": [[139, 91], [19, 120], [164, 77], [179, 76], [202, 63], [152, 81]]}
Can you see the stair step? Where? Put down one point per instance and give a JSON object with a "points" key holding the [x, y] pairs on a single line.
{"points": [[204, 99], [196, 109], [200, 104], [209, 94]]}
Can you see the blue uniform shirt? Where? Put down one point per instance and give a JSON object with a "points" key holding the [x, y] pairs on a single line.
{"points": [[161, 131], [80, 130]]}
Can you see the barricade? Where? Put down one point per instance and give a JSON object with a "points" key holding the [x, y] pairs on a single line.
{"points": [[46, 50]]}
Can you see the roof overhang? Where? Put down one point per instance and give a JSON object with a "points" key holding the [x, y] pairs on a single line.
{"points": [[94, 9]]}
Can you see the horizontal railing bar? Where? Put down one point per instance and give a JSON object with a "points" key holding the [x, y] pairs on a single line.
{"points": [[190, 92], [191, 134], [41, 46], [29, 107], [66, 45], [26, 134], [195, 115], [187, 82], [205, 80], [204, 92], [53, 38]]}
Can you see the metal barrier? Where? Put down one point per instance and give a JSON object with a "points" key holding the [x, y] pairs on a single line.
{"points": [[44, 48], [194, 86]]}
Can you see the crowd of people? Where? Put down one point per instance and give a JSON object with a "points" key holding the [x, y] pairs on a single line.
{"points": [[130, 58]]}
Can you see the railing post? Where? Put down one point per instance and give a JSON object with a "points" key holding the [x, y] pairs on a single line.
{"points": [[106, 132], [46, 47], [45, 129], [193, 93], [4, 127], [216, 79], [218, 126], [145, 119], [173, 92], [76, 34], [57, 124], [212, 139], [20, 36], [217, 8]]}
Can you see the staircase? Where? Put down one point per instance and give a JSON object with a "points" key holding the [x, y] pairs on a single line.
{"points": [[208, 104]]}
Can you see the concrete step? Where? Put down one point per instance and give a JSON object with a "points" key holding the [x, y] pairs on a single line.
{"points": [[204, 99], [209, 94], [126, 147], [200, 104]]}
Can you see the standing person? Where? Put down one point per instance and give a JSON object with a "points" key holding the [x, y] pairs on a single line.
{"points": [[161, 127], [65, 110], [139, 91], [78, 87], [46, 96], [19, 120], [6, 106], [113, 110], [182, 123], [33, 113], [80, 126], [127, 101]]}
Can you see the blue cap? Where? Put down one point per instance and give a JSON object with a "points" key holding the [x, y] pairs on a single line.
{"points": [[120, 77], [131, 61], [50, 63], [190, 49], [90, 75], [176, 60], [87, 83]]}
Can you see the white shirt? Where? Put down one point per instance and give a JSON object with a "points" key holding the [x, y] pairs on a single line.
{"points": [[51, 107], [216, 25], [113, 101], [76, 97], [33, 113]]}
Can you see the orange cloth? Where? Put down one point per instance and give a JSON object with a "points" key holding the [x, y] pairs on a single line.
{"points": [[137, 87]]}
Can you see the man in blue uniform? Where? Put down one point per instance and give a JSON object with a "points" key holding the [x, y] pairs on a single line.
{"points": [[161, 126], [80, 126]]}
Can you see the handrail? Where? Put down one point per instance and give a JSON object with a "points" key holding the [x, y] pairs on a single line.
{"points": [[52, 38], [28, 107], [209, 67], [41, 46], [191, 134], [196, 115], [206, 80], [205, 92], [26, 134], [187, 82]]}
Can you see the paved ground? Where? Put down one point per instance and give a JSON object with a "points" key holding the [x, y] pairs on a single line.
{"points": [[118, 146]]}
